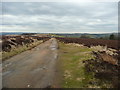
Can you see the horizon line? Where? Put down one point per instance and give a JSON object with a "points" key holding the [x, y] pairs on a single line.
{"points": [[63, 32]]}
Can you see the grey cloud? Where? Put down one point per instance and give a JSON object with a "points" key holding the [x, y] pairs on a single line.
{"points": [[45, 16], [60, 9]]}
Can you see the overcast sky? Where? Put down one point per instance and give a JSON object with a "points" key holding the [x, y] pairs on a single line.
{"points": [[62, 17]]}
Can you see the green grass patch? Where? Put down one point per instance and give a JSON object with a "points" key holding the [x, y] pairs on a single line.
{"points": [[72, 68]]}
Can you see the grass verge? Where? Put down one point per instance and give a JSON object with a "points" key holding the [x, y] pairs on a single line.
{"points": [[72, 69], [19, 49]]}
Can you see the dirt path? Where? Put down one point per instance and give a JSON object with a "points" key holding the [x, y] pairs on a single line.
{"points": [[32, 69]]}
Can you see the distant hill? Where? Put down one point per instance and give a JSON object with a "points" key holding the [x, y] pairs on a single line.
{"points": [[10, 33], [104, 35]]}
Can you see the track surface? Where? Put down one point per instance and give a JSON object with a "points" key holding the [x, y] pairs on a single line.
{"points": [[34, 68]]}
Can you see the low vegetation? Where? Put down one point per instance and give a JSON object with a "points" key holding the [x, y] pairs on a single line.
{"points": [[91, 42], [15, 44], [71, 58], [79, 67], [105, 68], [19, 49]]}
